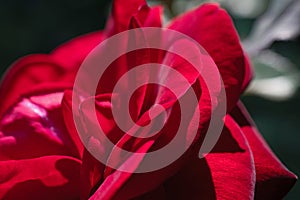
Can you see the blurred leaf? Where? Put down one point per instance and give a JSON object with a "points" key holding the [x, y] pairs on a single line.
{"points": [[180, 6], [280, 22], [279, 88], [246, 8], [276, 77]]}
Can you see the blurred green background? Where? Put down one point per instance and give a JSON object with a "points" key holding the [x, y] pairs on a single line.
{"points": [[36, 26]]}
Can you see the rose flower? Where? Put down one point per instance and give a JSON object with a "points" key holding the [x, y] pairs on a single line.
{"points": [[43, 156]]}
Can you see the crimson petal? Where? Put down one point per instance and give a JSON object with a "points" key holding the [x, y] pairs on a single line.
{"points": [[217, 175], [273, 179], [34, 127], [27, 74], [120, 18], [72, 53], [48, 177], [213, 29]]}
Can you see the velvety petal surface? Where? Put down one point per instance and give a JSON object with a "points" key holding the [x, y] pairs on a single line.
{"points": [[48, 177], [72, 53], [213, 29], [218, 175], [34, 127], [273, 179], [123, 185], [27, 75], [57, 69], [41, 152]]}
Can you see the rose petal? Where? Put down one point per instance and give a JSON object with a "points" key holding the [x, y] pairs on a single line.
{"points": [[28, 73], [49, 177], [157, 194], [179, 84], [67, 111], [218, 175], [273, 179], [36, 126], [118, 184], [120, 17], [92, 170], [148, 17], [248, 73], [60, 66], [213, 29], [72, 53], [91, 174]]}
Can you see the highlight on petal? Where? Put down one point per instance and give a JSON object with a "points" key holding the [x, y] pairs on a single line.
{"points": [[41, 70], [30, 74], [232, 170], [34, 127], [42, 155]]}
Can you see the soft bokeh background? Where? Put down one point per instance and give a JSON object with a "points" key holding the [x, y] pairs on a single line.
{"points": [[269, 30]]}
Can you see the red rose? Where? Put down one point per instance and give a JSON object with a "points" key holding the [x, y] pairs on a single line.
{"points": [[42, 156]]}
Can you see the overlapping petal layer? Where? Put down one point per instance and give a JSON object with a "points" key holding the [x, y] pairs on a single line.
{"points": [[41, 153]]}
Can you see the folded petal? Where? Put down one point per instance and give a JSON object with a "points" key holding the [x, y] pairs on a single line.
{"points": [[91, 173], [120, 17], [117, 184], [213, 29], [28, 73], [35, 127], [217, 175], [68, 110], [49, 177], [148, 17], [59, 67], [273, 179], [248, 73]]}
